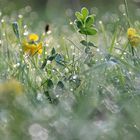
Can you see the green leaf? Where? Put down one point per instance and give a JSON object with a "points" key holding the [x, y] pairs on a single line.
{"points": [[15, 29], [84, 12], [51, 58], [79, 16], [44, 64], [91, 31], [48, 96], [87, 50], [60, 85], [88, 31], [53, 51], [59, 59], [78, 24], [90, 44], [83, 42], [89, 21], [50, 83]]}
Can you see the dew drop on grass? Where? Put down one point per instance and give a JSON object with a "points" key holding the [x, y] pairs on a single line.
{"points": [[20, 16], [58, 46], [117, 43], [25, 33], [66, 70], [49, 32], [100, 22], [57, 96], [71, 23], [72, 47], [98, 50], [74, 77], [130, 72], [2, 21], [25, 26], [73, 54], [48, 62], [124, 14], [53, 71], [71, 89]]}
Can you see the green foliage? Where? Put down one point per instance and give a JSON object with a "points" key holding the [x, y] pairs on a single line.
{"points": [[16, 29], [82, 88], [84, 22], [90, 44]]}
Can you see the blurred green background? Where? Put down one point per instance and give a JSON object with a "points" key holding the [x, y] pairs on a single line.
{"points": [[57, 9]]}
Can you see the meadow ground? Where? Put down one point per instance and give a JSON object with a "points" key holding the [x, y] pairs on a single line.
{"points": [[76, 80]]}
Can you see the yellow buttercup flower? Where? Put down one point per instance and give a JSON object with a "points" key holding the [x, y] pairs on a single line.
{"points": [[31, 45], [131, 32], [135, 40], [33, 37], [133, 37], [32, 49]]}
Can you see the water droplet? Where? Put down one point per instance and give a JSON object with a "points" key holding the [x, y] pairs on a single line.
{"points": [[2, 21], [72, 47], [74, 77], [71, 89], [124, 14], [48, 62], [25, 26], [73, 54], [20, 16], [66, 70], [57, 96], [3, 34], [100, 22], [49, 32], [25, 33]]}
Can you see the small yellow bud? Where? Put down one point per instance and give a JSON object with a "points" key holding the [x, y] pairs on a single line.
{"points": [[133, 37], [33, 37]]}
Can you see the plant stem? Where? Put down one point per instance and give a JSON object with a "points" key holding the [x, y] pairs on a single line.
{"points": [[127, 13]]}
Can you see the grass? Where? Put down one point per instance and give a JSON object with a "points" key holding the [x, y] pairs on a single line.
{"points": [[84, 84]]}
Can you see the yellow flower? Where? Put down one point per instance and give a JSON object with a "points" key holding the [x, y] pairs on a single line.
{"points": [[131, 32], [32, 48], [33, 37], [135, 40], [133, 37], [11, 86]]}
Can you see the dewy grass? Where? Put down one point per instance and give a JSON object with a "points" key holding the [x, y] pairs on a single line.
{"points": [[80, 84]]}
